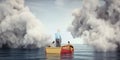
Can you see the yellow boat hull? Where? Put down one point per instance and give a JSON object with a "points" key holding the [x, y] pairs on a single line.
{"points": [[53, 50]]}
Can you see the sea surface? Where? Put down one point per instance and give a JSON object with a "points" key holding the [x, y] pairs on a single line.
{"points": [[82, 52]]}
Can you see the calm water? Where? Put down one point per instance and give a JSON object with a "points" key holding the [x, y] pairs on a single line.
{"points": [[82, 52]]}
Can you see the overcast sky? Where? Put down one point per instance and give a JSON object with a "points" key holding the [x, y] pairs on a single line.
{"points": [[55, 14]]}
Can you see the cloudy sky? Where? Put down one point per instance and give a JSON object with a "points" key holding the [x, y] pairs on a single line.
{"points": [[55, 14]]}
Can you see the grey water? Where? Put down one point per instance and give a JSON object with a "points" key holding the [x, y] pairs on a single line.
{"points": [[81, 52]]}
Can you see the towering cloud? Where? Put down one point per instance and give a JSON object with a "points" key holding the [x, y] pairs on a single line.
{"points": [[98, 23], [19, 28]]}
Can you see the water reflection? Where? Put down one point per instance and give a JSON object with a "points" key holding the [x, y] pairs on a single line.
{"points": [[59, 57], [22, 54], [52, 57], [39, 54], [107, 56], [67, 57]]}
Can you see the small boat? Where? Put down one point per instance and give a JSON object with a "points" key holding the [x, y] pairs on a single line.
{"points": [[66, 49]]}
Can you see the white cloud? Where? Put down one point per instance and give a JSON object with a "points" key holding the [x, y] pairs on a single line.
{"points": [[19, 28]]}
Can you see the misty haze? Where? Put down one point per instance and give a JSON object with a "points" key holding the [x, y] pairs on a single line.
{"points": [[59, 29]]}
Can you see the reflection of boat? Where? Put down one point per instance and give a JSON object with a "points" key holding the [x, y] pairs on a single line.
{"points": [[59, 57], [53, 56], [66, 49]]}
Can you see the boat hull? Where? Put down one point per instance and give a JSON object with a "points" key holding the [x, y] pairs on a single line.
{"points": [[67, 49], [53, 50]]}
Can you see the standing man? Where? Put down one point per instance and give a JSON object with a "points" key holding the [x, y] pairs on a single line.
{"points": [[58, 38]]}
